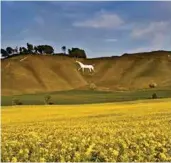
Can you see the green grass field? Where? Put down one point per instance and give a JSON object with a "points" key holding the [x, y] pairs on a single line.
{"points": [[85, 97]]}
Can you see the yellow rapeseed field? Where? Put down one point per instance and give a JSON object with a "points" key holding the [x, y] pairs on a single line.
{"points": [[133, 131]]}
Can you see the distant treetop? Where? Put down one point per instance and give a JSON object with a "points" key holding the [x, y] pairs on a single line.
{"points": [[42, 49]]}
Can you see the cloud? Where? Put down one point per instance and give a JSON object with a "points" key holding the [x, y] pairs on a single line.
{"points": [[150, 30], [111, 40], [102, 20], [156, 33]]}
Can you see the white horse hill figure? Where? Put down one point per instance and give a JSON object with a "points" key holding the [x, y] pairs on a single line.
{"points": [[82, 66]]}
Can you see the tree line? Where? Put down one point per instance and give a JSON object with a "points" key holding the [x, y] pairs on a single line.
{"points": [[43, 50]]}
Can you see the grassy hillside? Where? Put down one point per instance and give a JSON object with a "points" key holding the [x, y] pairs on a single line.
{"points": [[38, 74]]}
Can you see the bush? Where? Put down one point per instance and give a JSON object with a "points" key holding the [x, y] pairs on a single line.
{"points": [[16, 102], [152, 85], [47, 99], [76, 52], [154, 96], [92, 86]]}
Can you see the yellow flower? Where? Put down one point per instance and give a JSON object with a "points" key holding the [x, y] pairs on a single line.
{"points": [[26, 150], [14, 159], [115, 152], [21, 151], [42, 159], [162, 156]]}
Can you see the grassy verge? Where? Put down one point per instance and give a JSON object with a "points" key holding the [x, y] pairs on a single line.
{"points": [[85, 97]]}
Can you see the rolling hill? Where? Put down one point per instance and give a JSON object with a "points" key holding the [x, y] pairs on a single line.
{"points": [[26, 74]]}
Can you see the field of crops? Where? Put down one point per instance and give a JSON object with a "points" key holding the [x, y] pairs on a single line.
{"points": [[131, 131]]}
